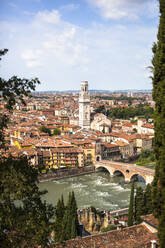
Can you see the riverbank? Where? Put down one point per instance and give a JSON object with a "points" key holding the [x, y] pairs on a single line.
{"points": [[65, 173], [146, 164], [146, 159]]}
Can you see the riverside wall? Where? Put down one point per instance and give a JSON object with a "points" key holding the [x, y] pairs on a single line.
{"points": [[65, 173]]}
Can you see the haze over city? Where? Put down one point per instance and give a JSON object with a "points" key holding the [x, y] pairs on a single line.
{"points": [[64, 42]]}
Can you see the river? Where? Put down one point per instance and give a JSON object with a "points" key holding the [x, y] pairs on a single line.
{"points": [[95, 189]]}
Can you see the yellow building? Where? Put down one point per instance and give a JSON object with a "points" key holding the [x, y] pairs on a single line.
{"points": [[22, 144], [88, 149], [69, 157], [89, 154], [61, 157]]}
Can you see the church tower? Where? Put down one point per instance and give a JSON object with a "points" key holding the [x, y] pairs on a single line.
{"points": [[84, 106]]}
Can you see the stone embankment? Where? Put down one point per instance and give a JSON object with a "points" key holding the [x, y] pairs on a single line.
{"points": [[66, 172]]}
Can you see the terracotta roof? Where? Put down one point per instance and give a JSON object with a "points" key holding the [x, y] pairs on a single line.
{"points": [[131, 237], [121, 143], [110, 145], [151, 220], [147, 125], [127, 124], [67, 150]]}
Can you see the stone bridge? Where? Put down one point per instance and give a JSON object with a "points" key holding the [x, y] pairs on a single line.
{"points": [[129, 171]]}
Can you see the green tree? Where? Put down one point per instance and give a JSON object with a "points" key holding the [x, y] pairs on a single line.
{"points": [[59, 214], [75, 223], [158, 79], [56, 131], [130, 112], [139, 204], [70, 221], [45, 130], [101, 109], [131, 207], [108, 228], [11, 91], [24, 218], [148, 200]]}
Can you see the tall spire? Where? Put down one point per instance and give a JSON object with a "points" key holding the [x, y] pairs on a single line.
{"points": [[84, 106]]}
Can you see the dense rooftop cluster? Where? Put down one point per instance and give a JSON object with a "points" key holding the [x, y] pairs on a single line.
{"points": [[47, 130]]}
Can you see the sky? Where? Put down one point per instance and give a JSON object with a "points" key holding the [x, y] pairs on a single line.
{"points": [[63, 42]]}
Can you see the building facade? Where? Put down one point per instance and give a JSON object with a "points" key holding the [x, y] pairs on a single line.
{"points": [[84, 106]]}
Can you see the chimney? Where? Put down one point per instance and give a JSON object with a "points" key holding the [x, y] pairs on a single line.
{"points": [[153, 243]]}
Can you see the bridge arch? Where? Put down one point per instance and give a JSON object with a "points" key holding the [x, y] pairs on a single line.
{"points": [[129, 171], [118, 173], [137, 177], [104, 168]]}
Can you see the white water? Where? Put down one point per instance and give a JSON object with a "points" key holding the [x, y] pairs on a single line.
{"points": [[96, 189]]}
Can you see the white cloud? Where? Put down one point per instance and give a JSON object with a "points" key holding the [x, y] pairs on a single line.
{"points": [[28, 13], [33, 63], [32, 57], [52, 17], [61, 54], [13, 5], [129, 9], [69, 7]]}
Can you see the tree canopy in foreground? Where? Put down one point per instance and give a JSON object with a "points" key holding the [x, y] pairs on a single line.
{"points": [[158, 79], [24, 218]]}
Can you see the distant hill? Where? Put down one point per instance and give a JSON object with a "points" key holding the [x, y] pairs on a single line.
{"points": [[94, 91]]}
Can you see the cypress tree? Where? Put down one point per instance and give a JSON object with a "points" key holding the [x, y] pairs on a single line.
{"points": [[66, 225], [60, 210], [139, 204], [73, 228], [66, 229], [70, 227], [158, 79], [75, 223], [131, 207], [148, 200]]}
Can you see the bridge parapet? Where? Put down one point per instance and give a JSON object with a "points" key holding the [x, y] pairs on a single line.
{"points": [[128, 170]]}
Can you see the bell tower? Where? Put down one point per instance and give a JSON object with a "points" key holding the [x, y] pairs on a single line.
{"points": [[84, 106]]}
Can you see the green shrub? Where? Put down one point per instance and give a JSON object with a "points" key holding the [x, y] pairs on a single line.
{"points": [[108, 228]]}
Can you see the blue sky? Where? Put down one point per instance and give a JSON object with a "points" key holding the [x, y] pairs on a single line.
{"points": [[62, 42]]}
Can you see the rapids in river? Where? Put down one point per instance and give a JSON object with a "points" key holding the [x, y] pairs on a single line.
{"points": [[95, 189]]}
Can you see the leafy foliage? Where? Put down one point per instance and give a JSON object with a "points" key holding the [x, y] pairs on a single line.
{"points": [[148, 200], [70, 222], [101, 109], [139, 205], [146, 157], [131, 207], [12, 90], [66, 219], [45, 130], [56, 131], [24, 218], [108, 228], [59, 214], [126, 112], [120, 98], [130, 112], [158, 80]]}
